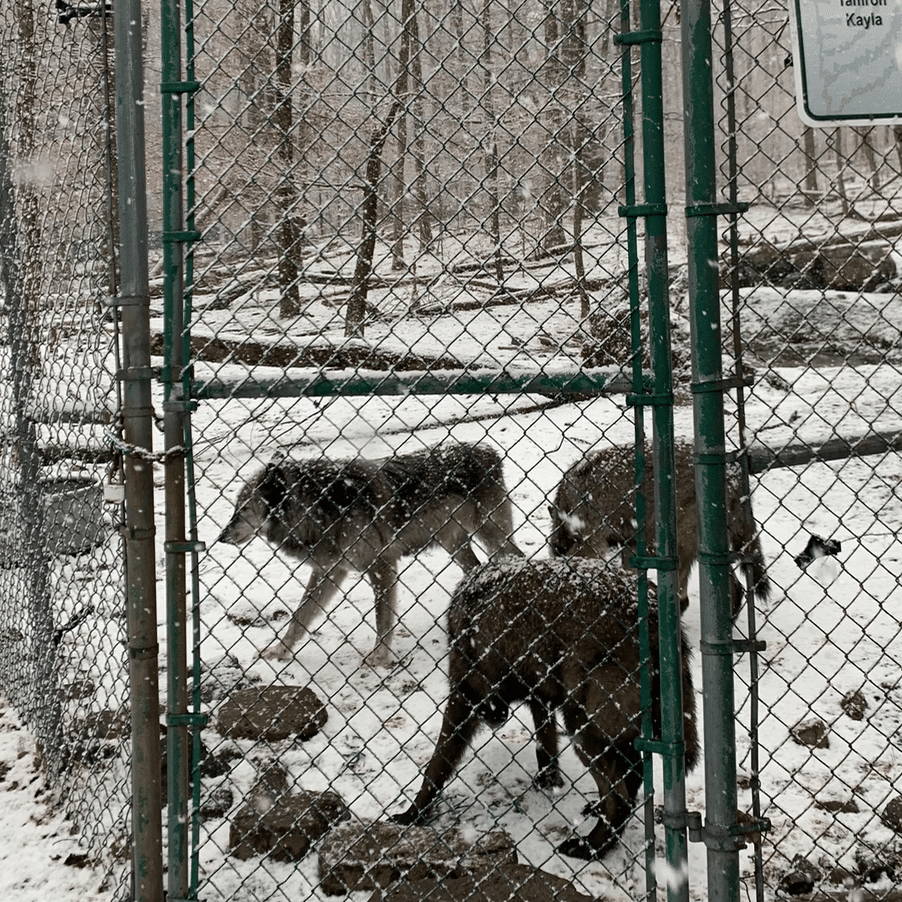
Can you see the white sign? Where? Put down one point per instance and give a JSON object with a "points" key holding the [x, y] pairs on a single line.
{"points": [[848, 60]]}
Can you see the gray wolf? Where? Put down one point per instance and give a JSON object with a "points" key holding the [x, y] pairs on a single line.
{"points": [[364, 515], [557, 634], [595, 507]]}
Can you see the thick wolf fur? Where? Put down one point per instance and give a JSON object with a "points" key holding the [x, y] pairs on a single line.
{"points": [[364, 515], [595, 508], [556, 634]]}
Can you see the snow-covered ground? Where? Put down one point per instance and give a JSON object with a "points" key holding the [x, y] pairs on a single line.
{"points": [[830, 630], [40, 859]]}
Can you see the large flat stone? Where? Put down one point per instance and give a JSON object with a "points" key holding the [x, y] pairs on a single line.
{"points": [[504, 883], [286, 830], [357, 856], [272, 713]]}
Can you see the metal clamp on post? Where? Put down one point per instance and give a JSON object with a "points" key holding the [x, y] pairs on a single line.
{"points": [[675, 749], [651, 399], [648, 36], [184, 547], [174, 237], [691, 821], [653, 562], [188, 719], [716, 209], [634, 211], [179, 87], [126, 300], [724, 384], [726, 839]]}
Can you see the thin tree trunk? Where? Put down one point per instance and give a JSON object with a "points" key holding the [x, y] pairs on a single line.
{"points": [[491, 142], [870, 157], [552, 208], [424, 221], [286, 192], [368, 213], [810, 151]]}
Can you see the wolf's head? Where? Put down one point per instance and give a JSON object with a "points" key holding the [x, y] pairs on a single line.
{"points": [[259, 500]]}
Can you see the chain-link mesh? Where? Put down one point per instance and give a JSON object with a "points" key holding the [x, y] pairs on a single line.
{"points": [[61, 612], [815, 279], [394, 197]]}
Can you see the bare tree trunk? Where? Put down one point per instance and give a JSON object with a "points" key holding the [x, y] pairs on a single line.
{"points": [[368, 213], [836, 139], [870, 157], [575, 52], [552, 207], [424, 220], [286, 192], [810, 151], [369, 209], [491, 141]]}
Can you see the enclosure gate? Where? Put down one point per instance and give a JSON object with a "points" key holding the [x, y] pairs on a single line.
{"points": [[262, 243]]}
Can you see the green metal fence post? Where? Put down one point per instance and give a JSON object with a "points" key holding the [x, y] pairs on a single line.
{"points": [[175, 411], [137, 417], [654, 167], [710, 445]]}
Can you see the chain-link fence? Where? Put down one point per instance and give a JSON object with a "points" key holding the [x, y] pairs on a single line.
{"points": [[815, 277], [62, 627], [420, 337]]}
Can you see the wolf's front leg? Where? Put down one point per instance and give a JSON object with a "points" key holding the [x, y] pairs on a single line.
{"points": [[321, 588]]}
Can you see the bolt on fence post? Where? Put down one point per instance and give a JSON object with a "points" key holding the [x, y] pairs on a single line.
{"points": [[710, 447], [137, 417]]}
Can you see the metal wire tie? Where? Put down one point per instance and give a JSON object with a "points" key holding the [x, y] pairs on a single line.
{"points": [[126, 300], [143, 652], [137, 373]]}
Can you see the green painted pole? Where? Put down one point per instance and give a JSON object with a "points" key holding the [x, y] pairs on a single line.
{"points": [[710, 448], [133, 305], [172, 88], [661, 401]]}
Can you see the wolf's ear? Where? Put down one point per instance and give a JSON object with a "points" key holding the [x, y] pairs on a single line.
{"points": [[273, 486]]}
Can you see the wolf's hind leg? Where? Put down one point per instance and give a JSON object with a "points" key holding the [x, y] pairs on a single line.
{"points": [[383, 577]]}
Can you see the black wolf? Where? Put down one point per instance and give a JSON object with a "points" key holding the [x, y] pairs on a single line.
{"points": [[595, 508], [364, 515], [556, 634]]}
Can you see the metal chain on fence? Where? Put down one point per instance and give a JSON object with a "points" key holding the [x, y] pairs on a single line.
{"points": [[61, 578]]}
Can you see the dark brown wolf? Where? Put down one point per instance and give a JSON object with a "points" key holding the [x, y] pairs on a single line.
{"points": [[595, 508], [364, 515], [556, 634]]}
